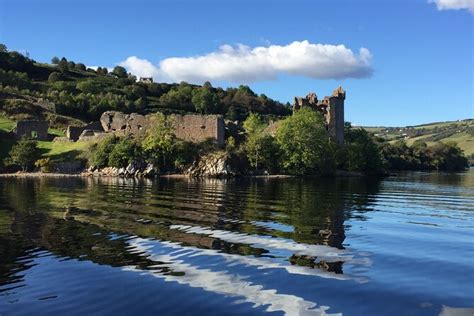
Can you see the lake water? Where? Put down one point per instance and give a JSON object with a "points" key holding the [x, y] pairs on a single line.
{"points": [[403, 245]]}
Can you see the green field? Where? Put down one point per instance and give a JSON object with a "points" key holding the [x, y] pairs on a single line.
{"points": [[460, 132]]}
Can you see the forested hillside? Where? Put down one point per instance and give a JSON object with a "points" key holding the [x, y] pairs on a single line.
{"points": [[65, 90]]}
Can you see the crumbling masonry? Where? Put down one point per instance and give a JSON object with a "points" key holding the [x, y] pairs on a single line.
{"points": [[332, 109]]}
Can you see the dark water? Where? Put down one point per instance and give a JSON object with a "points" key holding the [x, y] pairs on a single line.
{"points": [[400, 246]]}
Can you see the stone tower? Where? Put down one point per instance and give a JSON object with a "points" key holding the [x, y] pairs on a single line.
{"points": [[332, 109], [335, 115]]}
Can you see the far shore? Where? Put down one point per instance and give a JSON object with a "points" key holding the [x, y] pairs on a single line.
{"points": [[168, 176]]}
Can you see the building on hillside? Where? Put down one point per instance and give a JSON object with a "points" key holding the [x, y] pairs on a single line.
{"points": [[145, 79]]}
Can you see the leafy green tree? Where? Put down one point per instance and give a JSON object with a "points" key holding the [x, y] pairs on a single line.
{"points": [[100, 152], [304, 143], [361, 153], [24, 154], [178, 98], [55, 60], [3, 48], [259, 147], [80, 67], [120, 72], [160, 141], [71, 65], [63, 65], [124, 152], [205, 100], [54, 77], [89, 86]]}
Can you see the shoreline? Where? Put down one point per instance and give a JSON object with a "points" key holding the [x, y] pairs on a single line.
{"points": [[338, 174]]}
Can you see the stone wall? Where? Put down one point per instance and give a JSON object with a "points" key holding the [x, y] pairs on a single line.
{"points": [[31, 128], [197, 128], [193, 128], [332, 109], [73, 132]]}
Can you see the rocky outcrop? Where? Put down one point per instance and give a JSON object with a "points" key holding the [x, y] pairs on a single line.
{"points": [[134, 169], [213, 165]]}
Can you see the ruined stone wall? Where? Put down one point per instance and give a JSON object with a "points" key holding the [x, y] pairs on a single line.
{"points": [[32, 128], [332, 109], [73, 132], [197, 128], [193, 128]]}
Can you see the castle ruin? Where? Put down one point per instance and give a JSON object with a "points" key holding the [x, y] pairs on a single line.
{"points": [[191, 127], [332, 109], [32, 129]]}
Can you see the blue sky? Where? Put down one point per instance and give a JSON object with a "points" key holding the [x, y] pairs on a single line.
{"points": [[416, 66]]}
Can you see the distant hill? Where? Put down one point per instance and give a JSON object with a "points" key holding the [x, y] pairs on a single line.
{"points": [[66, 91], [460, 132]]}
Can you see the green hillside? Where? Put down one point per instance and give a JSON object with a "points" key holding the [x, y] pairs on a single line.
{"points": [[460, 132], [67, 92]]}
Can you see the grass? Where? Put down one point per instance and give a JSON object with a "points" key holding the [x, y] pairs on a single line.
{"points": [[57, 151], [6, 124], [63, 151]]}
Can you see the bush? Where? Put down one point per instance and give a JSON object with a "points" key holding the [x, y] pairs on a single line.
{"points": [[124, 152], [23, 154], [101, 151], [54, 77], [45, 165]]}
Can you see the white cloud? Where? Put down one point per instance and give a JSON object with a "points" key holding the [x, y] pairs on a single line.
{"points": [[140, 67], [454, 4], [243, 64]]}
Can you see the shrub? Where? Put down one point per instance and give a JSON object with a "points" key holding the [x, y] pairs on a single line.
{"points": [[45, 165], [124, 152], [100, 152], [23, 154]]}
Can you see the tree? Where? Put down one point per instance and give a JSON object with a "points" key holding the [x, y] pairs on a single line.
{"points": [[120, 72], [160, 141], [89, 86], [55, 60], [24, 154], [260, 147], [361, 153], [54, 77], [304, 143], [205, 100], [3, 48], [123, 153], [63, 65], [101, 151], [71, 65], [80, 67]]}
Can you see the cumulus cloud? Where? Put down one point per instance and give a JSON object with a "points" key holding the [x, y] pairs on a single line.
{"points": [[243, 64], [454, 4], [140, 67]]}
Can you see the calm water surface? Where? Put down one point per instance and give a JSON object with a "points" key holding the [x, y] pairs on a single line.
{"points": [[400, 246]]}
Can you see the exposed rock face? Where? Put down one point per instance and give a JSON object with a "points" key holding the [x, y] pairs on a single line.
{"points": [[213, 165], [32, 128], [134, 169], [193, 128], [332, 108]]}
